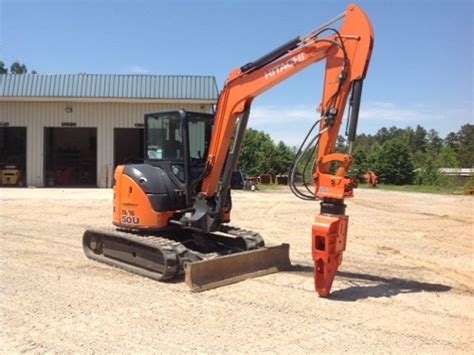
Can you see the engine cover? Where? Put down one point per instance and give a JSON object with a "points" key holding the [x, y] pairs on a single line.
{"points": [[164, 193], [145, 197]]}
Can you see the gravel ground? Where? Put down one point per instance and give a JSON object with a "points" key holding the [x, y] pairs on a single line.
{"points": [[406, 284]]}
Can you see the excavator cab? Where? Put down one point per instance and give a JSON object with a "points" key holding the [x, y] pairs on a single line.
{"points": [[151, 198], [178, 143]]}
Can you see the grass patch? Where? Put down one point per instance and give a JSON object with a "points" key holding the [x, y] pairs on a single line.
{"points": [[270, 187], [445, 190], [454, 190]]}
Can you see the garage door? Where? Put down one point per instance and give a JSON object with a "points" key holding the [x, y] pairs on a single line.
{"points": [[70, 156], [12, 156]]}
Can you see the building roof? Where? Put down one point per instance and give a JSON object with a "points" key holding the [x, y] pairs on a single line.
{"points": [[108, 86], [457, 171]]}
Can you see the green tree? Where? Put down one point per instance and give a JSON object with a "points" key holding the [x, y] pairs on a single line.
{"points": [[366, 158], [428, 173], [448, 158], [374, 157], [283, 158], [409, 137], [3, 68], [257, 154], [392, 153], [466, 146], [452, 140], [361, 162], [382, 135], [17, 68], [435, 143], [419, 158], [365, 140], [419, 139], [395, 164]]}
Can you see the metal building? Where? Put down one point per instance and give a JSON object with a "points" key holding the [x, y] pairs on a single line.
{"points": [[72, 130]]}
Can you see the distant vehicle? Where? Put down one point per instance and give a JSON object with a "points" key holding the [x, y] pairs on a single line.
{"points": [[11, 175], [371, 178], [237, 180]]}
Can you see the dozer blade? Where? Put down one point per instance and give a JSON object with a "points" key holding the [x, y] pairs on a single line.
{"points": [[211, 273]]}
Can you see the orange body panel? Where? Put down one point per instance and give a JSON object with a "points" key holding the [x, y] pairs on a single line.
{"points": [[132, 208]]}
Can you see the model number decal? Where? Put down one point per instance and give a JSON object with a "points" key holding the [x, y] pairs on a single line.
{"points": [[128, 217]]}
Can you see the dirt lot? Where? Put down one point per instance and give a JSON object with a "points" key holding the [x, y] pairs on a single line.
{"points": [[406, 283]]}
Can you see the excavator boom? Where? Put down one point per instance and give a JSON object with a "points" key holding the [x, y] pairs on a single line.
{"points": [[347, 53]]}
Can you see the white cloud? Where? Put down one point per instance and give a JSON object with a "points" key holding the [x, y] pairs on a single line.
{"points": [[261, 115], [138, 69], [290, 123], [375, 112], [388, 112]]}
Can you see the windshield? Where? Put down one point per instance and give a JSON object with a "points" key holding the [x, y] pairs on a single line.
{"points": [[164, 138], [200, 131]]}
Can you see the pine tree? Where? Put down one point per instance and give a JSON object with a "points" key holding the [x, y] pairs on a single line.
{"points": [[395, 164]]}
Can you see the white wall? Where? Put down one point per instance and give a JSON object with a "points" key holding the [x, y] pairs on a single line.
{"points": [[104, 116]]}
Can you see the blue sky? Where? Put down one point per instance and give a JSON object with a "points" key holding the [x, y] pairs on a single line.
{"points": [[421, 70]]}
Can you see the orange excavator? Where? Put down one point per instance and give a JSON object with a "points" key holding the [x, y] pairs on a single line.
{"points": [[171, 213], [371, 178]]}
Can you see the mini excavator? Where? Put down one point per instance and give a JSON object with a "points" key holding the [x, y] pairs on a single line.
{"points": [[371, 179], [171, 213]]}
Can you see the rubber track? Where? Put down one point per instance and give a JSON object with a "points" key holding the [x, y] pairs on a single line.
{"points": [[253, 239], [174, 253]]}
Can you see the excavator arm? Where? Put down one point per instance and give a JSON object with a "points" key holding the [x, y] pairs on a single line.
{"points": [[347, 53]]}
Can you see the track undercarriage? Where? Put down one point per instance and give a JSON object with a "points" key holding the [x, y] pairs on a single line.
{"points": [[207, 260]]}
